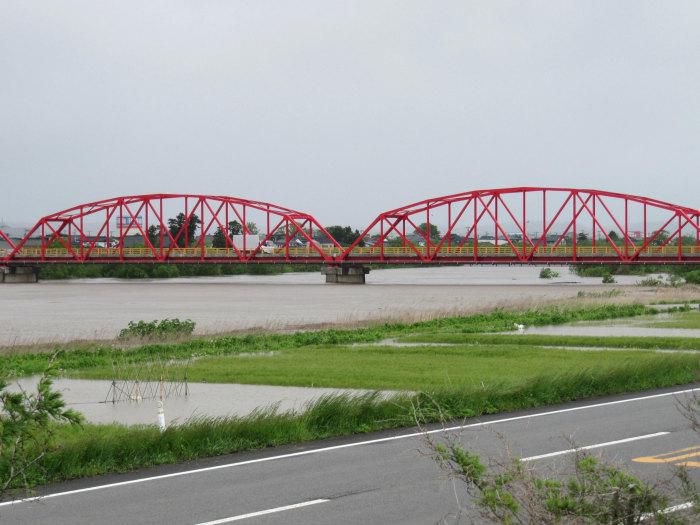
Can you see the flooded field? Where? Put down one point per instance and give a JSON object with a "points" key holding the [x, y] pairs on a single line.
{"points": [[93, 399], [647, 326], [97, 309]]}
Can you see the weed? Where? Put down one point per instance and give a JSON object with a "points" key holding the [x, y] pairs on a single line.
{"points": [[157, 329]]}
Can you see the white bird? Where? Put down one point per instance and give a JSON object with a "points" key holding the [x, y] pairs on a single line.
{"points": [[520, 327]]}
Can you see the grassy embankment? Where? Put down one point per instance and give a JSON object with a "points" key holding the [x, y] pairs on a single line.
{"points": [[690, 272], [462, 380], [681, 320], [159, 271]]}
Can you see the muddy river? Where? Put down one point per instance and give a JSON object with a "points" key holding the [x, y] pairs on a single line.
{"points": [[97, 309]]}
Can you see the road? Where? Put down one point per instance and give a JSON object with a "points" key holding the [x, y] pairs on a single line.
{"points": [[374, 478]]}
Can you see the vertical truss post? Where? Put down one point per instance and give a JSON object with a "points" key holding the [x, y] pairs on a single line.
{"points": [[593, 232], [645, 224], [82, 233], [202, 232], [381, 240], [627, 250], [161, 228], [108, 242], [286, 238], [574, 232], [524, 225], [245, 231], [544, 218], [187, 223], [495, 223], [680, 238], [449, 224], [475, 242], [43, 241], [427, 230], [121, 232]]}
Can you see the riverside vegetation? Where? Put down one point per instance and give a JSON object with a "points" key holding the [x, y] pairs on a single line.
{"points": [[465, 378]]}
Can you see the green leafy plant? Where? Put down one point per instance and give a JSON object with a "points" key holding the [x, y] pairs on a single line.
{"points": [[595, 493], [608, 279], [548, 273], [26, 428], [157, 329], [650, 281]]}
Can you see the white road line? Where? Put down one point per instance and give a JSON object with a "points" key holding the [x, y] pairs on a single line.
{"points": [[263, 512], [346, 445], [668, 510], [591, 447]]}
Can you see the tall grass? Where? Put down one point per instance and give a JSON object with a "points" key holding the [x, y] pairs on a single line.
{"points": [[641, 342], [102, 355], [99, 449]]}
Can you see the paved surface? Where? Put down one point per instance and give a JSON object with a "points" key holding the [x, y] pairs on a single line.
{"points": [[378, 478]]}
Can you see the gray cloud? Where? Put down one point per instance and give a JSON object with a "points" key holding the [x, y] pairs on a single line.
{"points": [[344, 109]]}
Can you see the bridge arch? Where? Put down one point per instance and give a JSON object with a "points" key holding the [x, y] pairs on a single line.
{"points": [[530, 225], [173, 228]]}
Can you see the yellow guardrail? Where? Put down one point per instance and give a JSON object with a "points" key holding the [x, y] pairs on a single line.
{"points": [[388, 251]]}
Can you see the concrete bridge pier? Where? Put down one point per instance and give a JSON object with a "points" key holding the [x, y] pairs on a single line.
{"points": [[345, 273], [19, 274]]}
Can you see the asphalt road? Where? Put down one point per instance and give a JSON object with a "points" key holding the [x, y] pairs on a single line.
{"points": [[375, 478]]}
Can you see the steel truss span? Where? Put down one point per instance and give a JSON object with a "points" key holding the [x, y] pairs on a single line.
{"points": [[172, 228], [526, 225], [532, 225]]}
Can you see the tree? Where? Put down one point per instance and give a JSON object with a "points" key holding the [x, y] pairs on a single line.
{"points": [[345, 235], [660, 237], [582, 237], [434, 231], [234, 228], [26, 428], [252, 228], [153, 234], [613, 235], [176, 224]]}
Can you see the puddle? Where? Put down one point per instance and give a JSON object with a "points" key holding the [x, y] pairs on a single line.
{"points": [[90, 397], [613, 330]]}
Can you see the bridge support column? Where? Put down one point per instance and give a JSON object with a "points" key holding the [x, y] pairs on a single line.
{"points": [[345, 274], [19, 274]]}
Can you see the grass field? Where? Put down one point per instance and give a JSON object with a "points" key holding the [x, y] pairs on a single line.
{"points": [[476, 373], [679, 320], [422, 368]]}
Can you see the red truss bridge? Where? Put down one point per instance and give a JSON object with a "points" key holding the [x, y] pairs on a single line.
{"points": [[525, 225]]}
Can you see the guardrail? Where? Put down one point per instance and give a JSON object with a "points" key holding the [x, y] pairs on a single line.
{"points": [[387, 251]]}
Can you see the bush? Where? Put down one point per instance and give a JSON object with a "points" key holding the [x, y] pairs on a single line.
{"points": [[650, 281], [548, 273], [166, 327], [164, 271], [693, 277], [608, 279]]}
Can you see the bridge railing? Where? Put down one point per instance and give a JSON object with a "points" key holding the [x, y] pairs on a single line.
{"points": [[374, 251]]}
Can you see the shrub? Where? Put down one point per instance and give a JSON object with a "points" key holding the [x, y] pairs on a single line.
{"points": [[548, 273], [165, 327], [693, 277], [650, 281], [608, 279]]}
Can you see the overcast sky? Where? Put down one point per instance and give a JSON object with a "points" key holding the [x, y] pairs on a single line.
{"points": [[344, 109]]}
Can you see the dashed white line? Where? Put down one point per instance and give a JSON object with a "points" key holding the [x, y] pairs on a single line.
{"points": [[597, 445], [344, 446], [263, 512]]}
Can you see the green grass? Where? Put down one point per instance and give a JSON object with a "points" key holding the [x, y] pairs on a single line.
{"points": [[398, 368], [689, 320], [463, 380], [98, 449], [642, 342], [15, 364]]}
